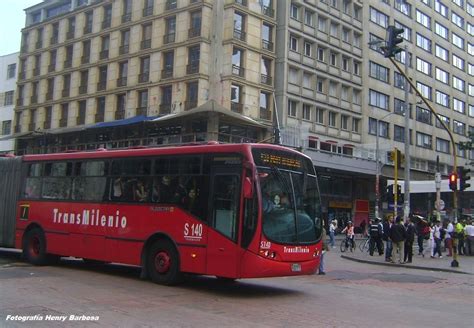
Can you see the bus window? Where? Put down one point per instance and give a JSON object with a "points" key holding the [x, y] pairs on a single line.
{"points": [[226, 204], [89, 188], [32, 189], [56, 188]]}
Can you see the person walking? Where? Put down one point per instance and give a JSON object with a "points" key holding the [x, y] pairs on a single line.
{"points": [[332, 233], [398, 236], [448, 241], [324, 248], [410, 239], [375, 235], [459, 231], [469, 237], [422, 229], [386, 237], [437, 238]]}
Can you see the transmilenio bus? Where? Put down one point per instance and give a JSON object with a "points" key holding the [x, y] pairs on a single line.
{"points": [[229, 210]]}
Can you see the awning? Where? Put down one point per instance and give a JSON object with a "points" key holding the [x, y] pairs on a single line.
{"points": [[212, 107], [126, 121]]}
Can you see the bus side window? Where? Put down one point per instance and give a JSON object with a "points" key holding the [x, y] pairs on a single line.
{"points": [[226, 196]]}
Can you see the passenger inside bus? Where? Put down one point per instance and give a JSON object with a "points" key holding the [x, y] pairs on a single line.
{"points": [[140, 192]]}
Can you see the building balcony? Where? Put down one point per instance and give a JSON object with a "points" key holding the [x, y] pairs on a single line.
{"points": [[148, 11], [190, 104], [82, 89], [38, 44], [120, 115], [144, 77], [80, 120], [265, 79], [237, 107], [124, 49], [237, 70], [165, 109], [31, 127], [51, 68], [192, 68], [268, 11], [99, 118], [49, 95], [19, 102], [85, 59], [53, 40], [126, 18], [67, 63], [87, 29], [169, 38], [142, 111], [267, 45], [17, 129], [101, 86], [121, 82], [265, 114], [194, 32], [106, 23], [34, 100], [65, 93], [240, 35], [70, 35], [104, 54], [145, 44], [171, 4], [36, 72], [241, 2], [47, 124], [167, 73], [63, 122]]}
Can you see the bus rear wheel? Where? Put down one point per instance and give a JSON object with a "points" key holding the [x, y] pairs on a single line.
{"points": [[34, 247], [163, 263]]}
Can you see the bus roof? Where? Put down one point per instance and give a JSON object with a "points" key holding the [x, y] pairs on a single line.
{"points": [[210, 147]]}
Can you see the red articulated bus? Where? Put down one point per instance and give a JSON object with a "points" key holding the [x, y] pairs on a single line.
{"points": [[229, 210]]}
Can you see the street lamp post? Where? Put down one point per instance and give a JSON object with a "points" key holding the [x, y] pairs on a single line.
{"points": [[406, 184]]}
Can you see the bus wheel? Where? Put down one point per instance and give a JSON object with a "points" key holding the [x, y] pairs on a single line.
{"points": [[163, 263], [34, 247]]}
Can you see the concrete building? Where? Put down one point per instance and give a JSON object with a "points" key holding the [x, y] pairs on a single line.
{"points": [[8, 72], [121, 73]]}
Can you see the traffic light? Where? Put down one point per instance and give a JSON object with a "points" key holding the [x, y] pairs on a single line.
{"points": [[400, 198], [464, 176], [393, 38], [396, 157], [390, 198], [453, 181]]}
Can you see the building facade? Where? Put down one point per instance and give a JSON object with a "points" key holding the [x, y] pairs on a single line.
{"points": [[8, 73], [118, 73]]}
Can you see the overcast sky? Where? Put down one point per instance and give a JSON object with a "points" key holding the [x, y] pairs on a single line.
{"points": [[12, 20]]}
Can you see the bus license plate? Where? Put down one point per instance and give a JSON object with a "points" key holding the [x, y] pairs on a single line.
{"points": [[296, 267]]}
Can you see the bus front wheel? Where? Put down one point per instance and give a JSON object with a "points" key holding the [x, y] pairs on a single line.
{"points": [[34, 247], [163, 263]]}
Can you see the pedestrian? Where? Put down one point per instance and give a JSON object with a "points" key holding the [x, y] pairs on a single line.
{"points": [[459, 233], [398, 236], [324, 248], [448, 241], [386, 237], [349, 231], [469, 237], [437, 238], [375, 235], [422, 230], [410, 239], [332, 233]]}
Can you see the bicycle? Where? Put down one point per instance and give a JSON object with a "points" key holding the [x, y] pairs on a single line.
{"points": [[345, 244], [364, 247]]}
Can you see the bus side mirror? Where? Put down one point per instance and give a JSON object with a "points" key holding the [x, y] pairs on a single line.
{"points": [[248, 191]]}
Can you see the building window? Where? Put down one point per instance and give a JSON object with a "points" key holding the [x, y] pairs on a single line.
{"points": [[126, 11], [123, 73], [307, 112], [168, 64], [403, 7], [459, 84], [100, 109], [332, 119], [423, 66], [146, 36], [423, 140], [458, 41], [293, 43], [379, 72], [191, 95], [441, 31], [267, 37], [142, 103], [457, 20], [378, 17], [423, 19], [319, 116], [266, 70], [458, 62], [11, 71], [344, 122], [8, 98], [399, 133], [442, 145], [89, 16], [459, 128], [425, 90], [194, 54], [459, 106], [378, 99], [6, 127], [445, 120], [442, 98], [355, 125], [423, 42], [81, 115], [308, 47], [308, 17], [125, 42], [292, 108], [144, 75], [423, 115], [442, 53], [170, 30], [322, 24], [195, 24], [294, 12], [239, 26]]}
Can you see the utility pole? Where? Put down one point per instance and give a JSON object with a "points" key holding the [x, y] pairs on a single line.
{"points": [[395, 184], [406, 185]]}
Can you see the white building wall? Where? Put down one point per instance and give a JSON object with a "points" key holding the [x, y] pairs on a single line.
{"points": [[6, 108]]}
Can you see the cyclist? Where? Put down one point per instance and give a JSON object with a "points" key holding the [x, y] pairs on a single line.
{"points": [[349, 231]]}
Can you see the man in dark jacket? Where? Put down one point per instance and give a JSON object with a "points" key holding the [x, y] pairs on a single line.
{"points": [[375, 234], [398, 235], [386, 237], [410, 239]]}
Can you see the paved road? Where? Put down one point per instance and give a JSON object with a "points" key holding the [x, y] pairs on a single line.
{"points": [[351, 294]]}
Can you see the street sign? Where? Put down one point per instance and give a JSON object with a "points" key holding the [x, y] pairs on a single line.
{"points": [[440, 205]]}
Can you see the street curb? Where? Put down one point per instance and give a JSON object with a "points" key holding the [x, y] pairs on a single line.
{"points": [[403, 265]]}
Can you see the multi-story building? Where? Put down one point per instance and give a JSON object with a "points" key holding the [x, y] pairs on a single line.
{"points": [[121, 73], [8, 72]]}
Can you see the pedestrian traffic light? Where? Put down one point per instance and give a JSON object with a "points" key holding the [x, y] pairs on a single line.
{"points": [[393, 38], [453, 181], [464, 176], [400, 198], [390, 198]]}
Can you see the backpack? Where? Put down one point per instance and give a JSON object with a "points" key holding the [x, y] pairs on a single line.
{"points": [[442, 233], [425, 232]]}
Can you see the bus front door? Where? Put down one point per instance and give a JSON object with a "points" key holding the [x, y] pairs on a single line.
{"points": [[223, 252]]}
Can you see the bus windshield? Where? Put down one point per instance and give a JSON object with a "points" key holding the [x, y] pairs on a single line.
{"points": [[290, 206]]}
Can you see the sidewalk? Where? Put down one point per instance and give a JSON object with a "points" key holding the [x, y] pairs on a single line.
{"points": [[466, 263]]}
